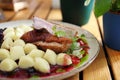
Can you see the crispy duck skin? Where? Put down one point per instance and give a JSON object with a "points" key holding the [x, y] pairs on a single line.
{"points": [[44, 40]]}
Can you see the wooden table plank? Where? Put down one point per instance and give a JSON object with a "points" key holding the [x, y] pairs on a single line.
{"points": [[55, 15], [44, 9], [98, 70], [114, 57], [27, 13], [8, 15]]}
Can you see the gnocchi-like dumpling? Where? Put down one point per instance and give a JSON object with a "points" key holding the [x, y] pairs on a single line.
{"points": [[63, 59], [26, 62], [36, 53], [41, 65], [25, 28], [8, 65], [19, 42], [9, 35], [4, 53], [16, 52], [7, 43], [9, 29], [29, 47], [18, 33], [50, 56]]}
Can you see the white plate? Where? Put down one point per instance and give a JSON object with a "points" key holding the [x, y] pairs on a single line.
{"points": [[92, 41]]}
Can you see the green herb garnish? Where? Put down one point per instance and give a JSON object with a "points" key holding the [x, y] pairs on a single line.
{"points": [[58, 33]]}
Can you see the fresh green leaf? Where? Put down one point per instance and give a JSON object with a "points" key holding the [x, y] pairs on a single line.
{"points": [[58, 33], [83, 38], [85, 58], [82, 52], [102, 6]]}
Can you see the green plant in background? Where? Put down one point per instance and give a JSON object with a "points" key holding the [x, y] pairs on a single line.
{"points": [[103, 6]]}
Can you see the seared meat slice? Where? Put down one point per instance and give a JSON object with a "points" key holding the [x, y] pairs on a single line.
{"points": [[44, 40]]}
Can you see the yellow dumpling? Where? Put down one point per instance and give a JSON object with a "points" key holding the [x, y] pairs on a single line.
{"points": [[8, 65], [29, 47], [7, 43], [26, 62], [4, 53], [41, 65], [36, 53], [16, 52], [50, 56]]}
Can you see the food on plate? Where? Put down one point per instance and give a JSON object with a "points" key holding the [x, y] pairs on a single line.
{"points": [[36, 53], [29, 47], [16, 52], [44, 40], [42, 65], [26, 62], [8, 65], [41, 50], [50, 56], [4, 53], [7, 43], [63, 59], [19, 42]]}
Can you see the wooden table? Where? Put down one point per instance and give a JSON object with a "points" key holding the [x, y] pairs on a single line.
{"points": [[107, 64]]}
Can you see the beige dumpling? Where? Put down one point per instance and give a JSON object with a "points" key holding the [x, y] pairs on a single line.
{"points": [[19, 42], [8, 65], [63, 59], [7, 43], [25, 28], [16, 52], [4, 54], [36, 53], [10, 34], [41, 65], [10, 29], [29, 47], [26, 62], [50, 56], [18, 33]]}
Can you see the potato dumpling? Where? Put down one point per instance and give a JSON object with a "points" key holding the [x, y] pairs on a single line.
{"points": [[4, 53], [9, 34], [10, 29], [7, 43], [41, 65], [16, 52], [18, 32], [63, 59], [8, 65], [36, 53], [19, 42], [26, 62], [50, 56], [29, 47], [25, 28]]}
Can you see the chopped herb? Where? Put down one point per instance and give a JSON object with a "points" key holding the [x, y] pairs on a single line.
{"points": [[85, 58], [58, 33], [82, 51], [83, 37]]}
